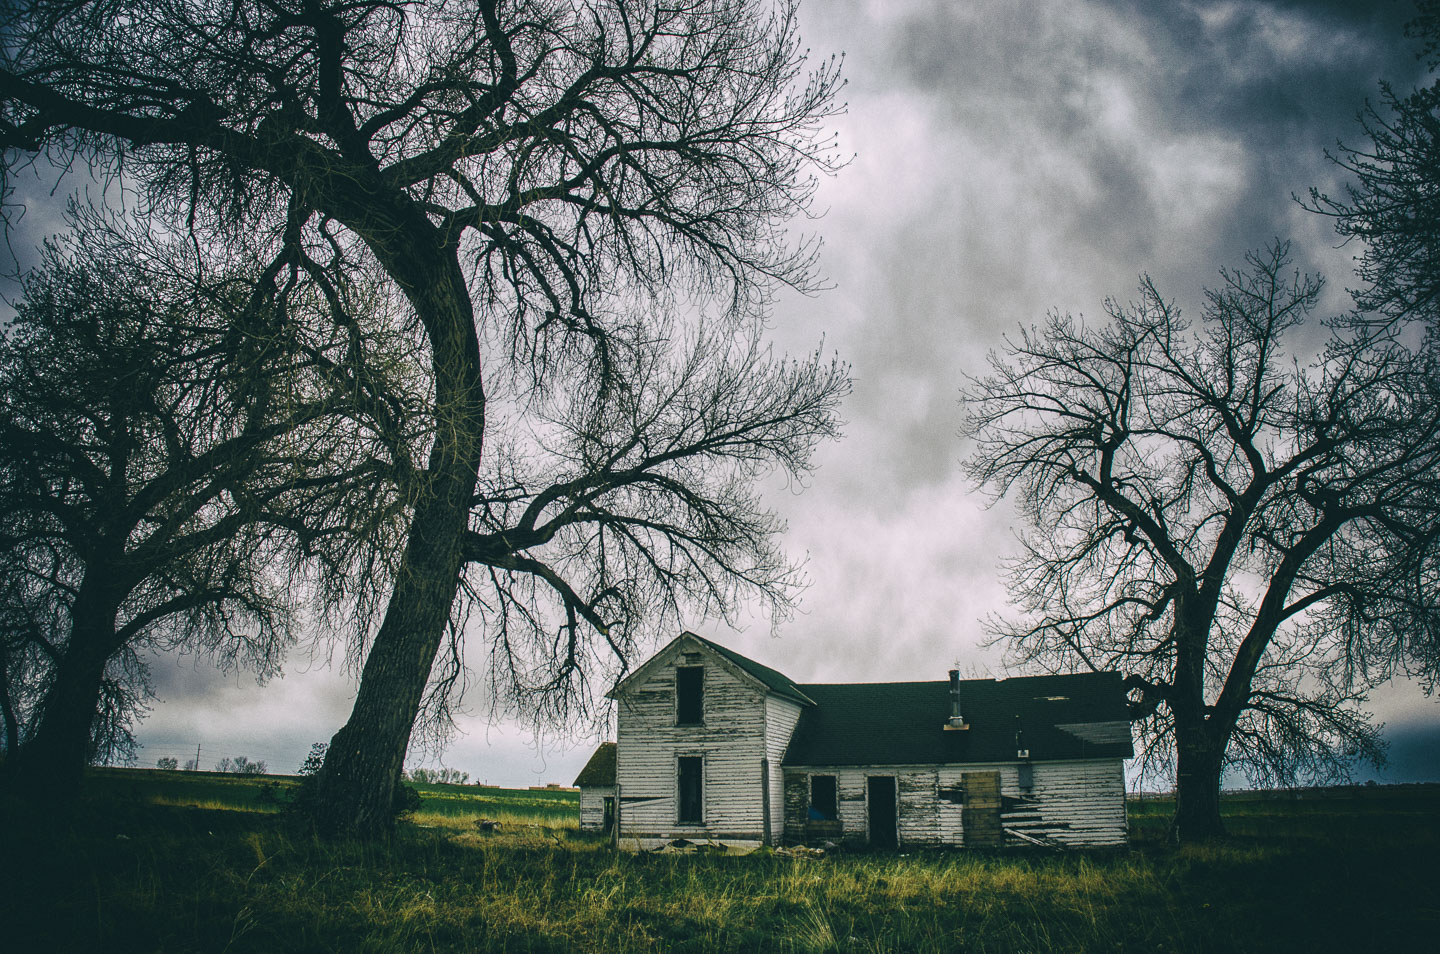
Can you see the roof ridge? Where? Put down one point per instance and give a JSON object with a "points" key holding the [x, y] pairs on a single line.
{"points": [[773, 679], [897, 682], [978, 679]]}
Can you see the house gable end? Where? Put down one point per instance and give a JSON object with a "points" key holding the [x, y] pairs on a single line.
{"points": [[762, 678]]}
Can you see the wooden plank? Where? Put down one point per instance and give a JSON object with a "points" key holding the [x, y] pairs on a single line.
{"points": [[982, 810]]}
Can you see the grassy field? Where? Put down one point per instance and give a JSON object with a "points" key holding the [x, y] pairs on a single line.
{"points": [[139, 867], [455, 806]]}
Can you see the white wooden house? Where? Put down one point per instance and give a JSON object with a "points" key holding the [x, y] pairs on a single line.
{"points": [[714, 747]]}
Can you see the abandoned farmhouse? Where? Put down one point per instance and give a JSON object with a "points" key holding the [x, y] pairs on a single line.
{"points": [[712, 746]]}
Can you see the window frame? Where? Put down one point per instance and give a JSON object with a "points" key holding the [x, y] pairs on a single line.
{"points": [[680, 696], [834, 792], [697, 760]]}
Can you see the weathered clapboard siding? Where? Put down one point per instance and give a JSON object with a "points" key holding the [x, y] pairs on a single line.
{"points": [[731, 740], [915, 804], [851, 801], [781, 715], [919, 822], [1077, 804], [852, 804], [592, 806], [1074, 803]]}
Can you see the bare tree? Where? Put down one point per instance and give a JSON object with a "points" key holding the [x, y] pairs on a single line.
{"points": [[167, 435], [634, 503], [1393, 204], [530, 173], [1252, 541]]}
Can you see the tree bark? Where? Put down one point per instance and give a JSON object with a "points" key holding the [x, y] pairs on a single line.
{"points": [[51, 763], [1197, 787], [1197, 755], [7, 707], [356, 786]]}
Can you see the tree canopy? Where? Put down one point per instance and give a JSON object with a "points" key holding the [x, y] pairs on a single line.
{"points": [[1392, 205], [1250, 534], [171, 432], [541, 180]]}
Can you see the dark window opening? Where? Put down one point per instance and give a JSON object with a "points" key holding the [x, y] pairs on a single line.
{"points": [[692, 771], [689, 695], [823, 805]]}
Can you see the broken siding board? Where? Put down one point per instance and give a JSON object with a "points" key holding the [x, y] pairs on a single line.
{"points": [[1083, 803], [852, 802], [731, 741], [1079, 804], [1099, 733]]}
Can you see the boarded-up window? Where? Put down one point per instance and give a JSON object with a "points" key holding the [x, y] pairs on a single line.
{"points": [[822, 798], [689, 695], [692, 772]]}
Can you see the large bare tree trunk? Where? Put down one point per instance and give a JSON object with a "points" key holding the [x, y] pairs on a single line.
{"points": [[356, 786], [1198, 761], [1198, 756], [51, 763]]}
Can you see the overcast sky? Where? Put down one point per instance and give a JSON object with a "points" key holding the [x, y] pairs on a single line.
{"points": [[1011, 157]]}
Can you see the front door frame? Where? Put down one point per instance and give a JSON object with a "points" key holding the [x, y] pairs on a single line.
{"points": [[893, 840]]}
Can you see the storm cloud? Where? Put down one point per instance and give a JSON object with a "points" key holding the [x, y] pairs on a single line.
{"points": [[1010, 157]]}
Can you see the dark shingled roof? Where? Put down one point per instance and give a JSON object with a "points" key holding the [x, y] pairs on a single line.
{"points": [[600, 770], [776, 682], [902, 723]]}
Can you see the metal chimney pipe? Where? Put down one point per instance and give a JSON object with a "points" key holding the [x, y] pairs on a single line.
{"points": [[957, 720]]}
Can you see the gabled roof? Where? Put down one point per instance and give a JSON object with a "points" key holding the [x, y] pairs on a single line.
{"points": [[776, 682], [767, 678], [600, 770], [903, 723]]}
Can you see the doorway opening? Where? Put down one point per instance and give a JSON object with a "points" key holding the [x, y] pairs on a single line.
{"points": [[880, 801]]}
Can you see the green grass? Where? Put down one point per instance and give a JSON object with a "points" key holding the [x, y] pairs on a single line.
{"points": [[125, 872], [448, 805], [195, 789]]}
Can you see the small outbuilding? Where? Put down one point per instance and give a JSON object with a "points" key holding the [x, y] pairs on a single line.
{"points": [[712, 746], [596, 782]]}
